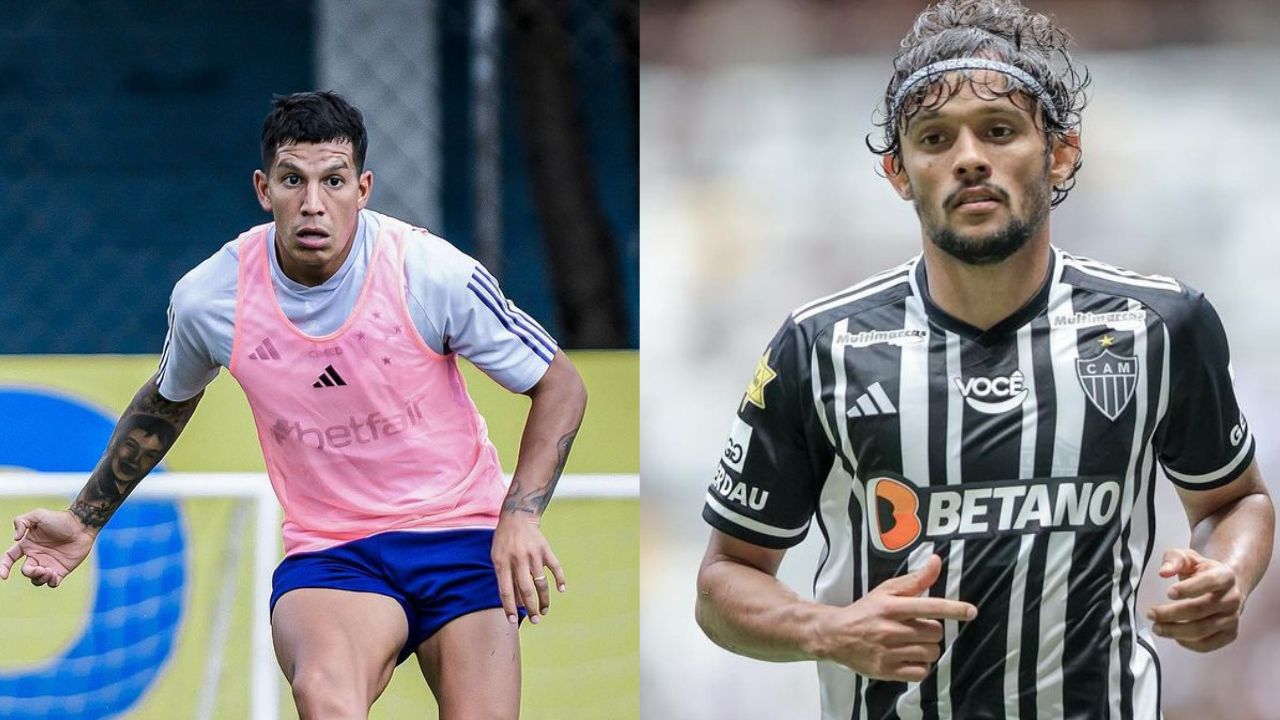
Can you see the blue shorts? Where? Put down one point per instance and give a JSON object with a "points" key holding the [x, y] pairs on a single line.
{"points": [[435, 576]]}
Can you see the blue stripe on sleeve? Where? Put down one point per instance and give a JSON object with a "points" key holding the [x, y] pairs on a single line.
{"points": [[492, 283], [529, 342], [514, 312], [505, 307]]}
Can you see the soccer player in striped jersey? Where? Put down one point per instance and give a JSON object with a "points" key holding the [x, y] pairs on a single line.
{"points": [[343, 327], [976, 433]]}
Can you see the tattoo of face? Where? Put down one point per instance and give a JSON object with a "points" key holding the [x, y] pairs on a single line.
{"points": [[535, 501], [146, 431]]}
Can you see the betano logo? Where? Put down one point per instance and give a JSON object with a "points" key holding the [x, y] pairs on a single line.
{"points": [[1009, 392], [356, 431], [904, 515]]}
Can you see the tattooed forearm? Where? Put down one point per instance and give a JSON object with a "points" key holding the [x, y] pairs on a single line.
{"points": [[91, 515], [535, 500], [146, 431], [154, 404], [563, 446]]}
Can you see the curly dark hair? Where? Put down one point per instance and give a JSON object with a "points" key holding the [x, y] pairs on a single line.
{"points": [[1001, 30]]}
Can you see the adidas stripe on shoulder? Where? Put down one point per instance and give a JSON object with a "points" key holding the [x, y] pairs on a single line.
{"points": [[1115, 274], [875, 284]]}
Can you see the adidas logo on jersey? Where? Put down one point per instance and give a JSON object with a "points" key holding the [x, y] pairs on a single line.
{"points": [[993, 395], [906, 515], [265, 351], [872, 402], [329, 378]]}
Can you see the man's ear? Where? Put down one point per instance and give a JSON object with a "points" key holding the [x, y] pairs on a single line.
{"points": [[364, 184], [896, 175], [1063, 158], [260, 188]]}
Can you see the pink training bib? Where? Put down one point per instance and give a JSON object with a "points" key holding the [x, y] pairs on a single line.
{"points": [[366, 429]]}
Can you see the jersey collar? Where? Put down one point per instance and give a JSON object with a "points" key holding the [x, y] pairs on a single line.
{"points": [[1002, 330]]}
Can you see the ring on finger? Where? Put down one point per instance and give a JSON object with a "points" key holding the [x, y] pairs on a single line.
{"points": [[540, 578]]}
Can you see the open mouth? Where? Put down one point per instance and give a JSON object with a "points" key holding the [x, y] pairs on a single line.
{"points": [[312, 237]]}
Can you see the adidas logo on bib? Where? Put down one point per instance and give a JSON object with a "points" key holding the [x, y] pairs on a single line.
{"points": [[265, 351], [329, 378]]}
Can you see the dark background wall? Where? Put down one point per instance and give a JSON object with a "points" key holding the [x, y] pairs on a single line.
{"points": [[131, 131]]}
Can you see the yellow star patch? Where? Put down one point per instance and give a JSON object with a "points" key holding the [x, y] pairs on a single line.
{"points": [[1106, 341], [755, 391]]}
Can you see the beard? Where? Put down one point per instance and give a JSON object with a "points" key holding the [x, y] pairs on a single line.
{"points": [[987, 249], [997, 246]]}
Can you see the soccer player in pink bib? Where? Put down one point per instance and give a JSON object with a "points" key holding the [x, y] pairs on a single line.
{"points": [[343, 327]]}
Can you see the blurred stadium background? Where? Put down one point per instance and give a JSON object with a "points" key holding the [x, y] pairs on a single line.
{"points": [[760, 194], [132, 131]]}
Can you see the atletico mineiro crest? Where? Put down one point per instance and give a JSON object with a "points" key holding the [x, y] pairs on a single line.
{"points": [[1109, 380]]}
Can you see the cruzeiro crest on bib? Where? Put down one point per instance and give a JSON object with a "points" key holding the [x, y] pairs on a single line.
{"points": [[1108, 380]]}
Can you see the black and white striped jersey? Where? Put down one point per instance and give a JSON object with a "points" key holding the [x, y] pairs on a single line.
{"points": [[1024, 456]]}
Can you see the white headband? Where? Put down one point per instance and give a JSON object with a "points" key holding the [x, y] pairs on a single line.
{"points": [[969, 63]]}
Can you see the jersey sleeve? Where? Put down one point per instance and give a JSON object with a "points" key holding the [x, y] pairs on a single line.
{"points": [[766, 486], [457, 306], [187, 364], [1204, 441]]}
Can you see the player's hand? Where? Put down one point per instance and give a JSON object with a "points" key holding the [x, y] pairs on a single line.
{"points": [[1206, 602], [54, 543], [892, 633], [521, 556]]}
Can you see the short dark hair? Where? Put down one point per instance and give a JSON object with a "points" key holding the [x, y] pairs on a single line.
{"points": [[151, 425], [1001, 30], [313, 117]]}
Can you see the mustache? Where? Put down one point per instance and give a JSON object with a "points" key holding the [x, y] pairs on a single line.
{"points": [[953, 199]]}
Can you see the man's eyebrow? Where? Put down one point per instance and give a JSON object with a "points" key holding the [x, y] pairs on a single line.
{"points": [[988, 109], [333, 167]]}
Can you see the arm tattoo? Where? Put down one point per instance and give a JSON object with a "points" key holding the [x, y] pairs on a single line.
{"points": [[146, 431], [535, 500]]}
